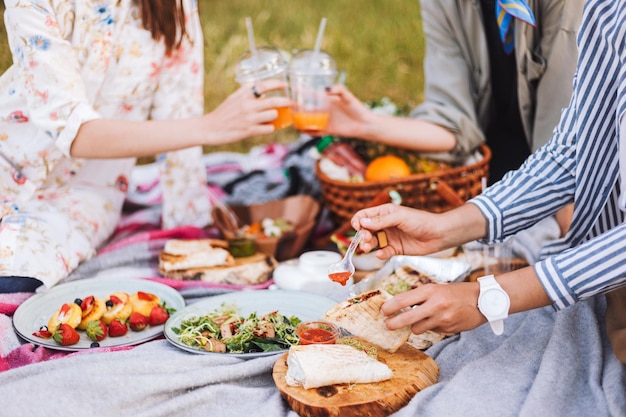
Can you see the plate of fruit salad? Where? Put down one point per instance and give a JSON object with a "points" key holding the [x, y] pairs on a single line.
{"points": [[97, 313]]}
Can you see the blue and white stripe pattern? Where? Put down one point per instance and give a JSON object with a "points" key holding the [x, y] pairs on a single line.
{"points": [[580, 163], [506, 11]]}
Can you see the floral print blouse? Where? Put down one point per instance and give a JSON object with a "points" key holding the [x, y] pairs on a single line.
{"points": [[75, 61]]}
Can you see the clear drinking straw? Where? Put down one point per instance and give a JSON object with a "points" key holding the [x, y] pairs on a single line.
{"points": [[320, 35], [251, 36], [255, 54], [318, 40]]}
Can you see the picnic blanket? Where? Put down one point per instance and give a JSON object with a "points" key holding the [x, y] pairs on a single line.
{"points": [[546, 364]]}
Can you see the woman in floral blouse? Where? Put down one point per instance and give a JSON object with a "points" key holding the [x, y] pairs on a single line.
{"points": [[94, 85]]}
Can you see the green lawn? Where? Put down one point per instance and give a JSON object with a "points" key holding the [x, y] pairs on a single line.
{"points": [[378, 43]]}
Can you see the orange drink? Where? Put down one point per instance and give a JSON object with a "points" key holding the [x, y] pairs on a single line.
{"points": [[284, 118], [310, 72], [310, 121], [265, 63]]}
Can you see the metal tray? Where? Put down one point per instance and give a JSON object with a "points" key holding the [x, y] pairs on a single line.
{"points": [[442, 271]]}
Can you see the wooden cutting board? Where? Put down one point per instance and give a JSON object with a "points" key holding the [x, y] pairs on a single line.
{"points": [[413, 371]]}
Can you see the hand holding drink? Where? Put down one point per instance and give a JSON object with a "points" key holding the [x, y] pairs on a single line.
{"points": [[267, 63], [309, 75], [310, 72], [264, 63]]}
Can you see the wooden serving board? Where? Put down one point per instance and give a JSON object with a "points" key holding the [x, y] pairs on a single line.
{"points": [[413, 371]]}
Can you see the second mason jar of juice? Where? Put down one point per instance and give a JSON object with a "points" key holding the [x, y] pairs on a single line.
{"points": [[310, 72], [267, 63]]}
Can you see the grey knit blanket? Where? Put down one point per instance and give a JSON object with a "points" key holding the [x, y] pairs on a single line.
{"points": [[546, 364]]}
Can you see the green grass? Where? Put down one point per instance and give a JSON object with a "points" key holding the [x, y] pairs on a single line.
{"points": [[378, 43]]}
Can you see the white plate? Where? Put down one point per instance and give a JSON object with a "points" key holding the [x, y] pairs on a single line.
{"points": [[37, 310], [305, 306]]}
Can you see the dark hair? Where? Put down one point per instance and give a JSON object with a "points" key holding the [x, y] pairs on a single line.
{"points": [[165, 19]]}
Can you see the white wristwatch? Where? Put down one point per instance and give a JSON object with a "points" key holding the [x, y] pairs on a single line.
{"points": [[493, 303]]}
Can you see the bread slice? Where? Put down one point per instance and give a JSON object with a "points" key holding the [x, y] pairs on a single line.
{"points": [[361, 316], [181, 254], [249, 270]]}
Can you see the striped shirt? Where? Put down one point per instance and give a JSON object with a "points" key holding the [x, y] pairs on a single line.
{"points": [[581, 163]]}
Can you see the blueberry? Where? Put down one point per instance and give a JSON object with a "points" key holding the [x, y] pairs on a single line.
{"points": [[78, 301], [109, 303], [95, 345]]}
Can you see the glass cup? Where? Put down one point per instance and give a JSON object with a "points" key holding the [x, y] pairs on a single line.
{"points": [[309, 75], [317, 332], [494, 258], [268, 63]]}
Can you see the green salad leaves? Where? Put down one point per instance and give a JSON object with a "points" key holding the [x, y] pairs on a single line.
{"points": [[225, 330]]}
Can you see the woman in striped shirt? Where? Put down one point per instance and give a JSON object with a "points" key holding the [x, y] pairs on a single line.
{"points": [[584, 162]]}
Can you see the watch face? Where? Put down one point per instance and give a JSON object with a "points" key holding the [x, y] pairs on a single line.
{"points": [[494, 302]]}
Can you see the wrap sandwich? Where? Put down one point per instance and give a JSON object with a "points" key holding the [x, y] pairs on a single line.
{"points": [[362, 317], [313, 366]]}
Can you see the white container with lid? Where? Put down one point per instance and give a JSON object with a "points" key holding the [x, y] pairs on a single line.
{"points": [[310, 273]]}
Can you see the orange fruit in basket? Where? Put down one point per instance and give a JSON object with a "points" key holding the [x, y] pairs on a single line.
{"points": [[386, 167]]}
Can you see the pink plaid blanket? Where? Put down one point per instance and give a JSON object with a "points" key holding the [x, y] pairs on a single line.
{"points": [[133, 249]]}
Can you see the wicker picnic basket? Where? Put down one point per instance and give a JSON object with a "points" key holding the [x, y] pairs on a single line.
{"points": [[436, 191]]}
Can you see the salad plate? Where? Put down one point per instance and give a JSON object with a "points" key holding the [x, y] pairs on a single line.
{"points": [[303, 305], [37, 310]]}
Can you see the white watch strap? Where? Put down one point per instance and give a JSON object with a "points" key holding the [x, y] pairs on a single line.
{"points": [[497, 326], [487, 281]]}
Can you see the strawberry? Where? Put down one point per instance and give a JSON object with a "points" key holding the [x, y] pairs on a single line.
{"points": [[117, 328], [137, 321], [96, 330], [115, 299], [158, 315], [43, 332], [65, 335], [146, 296], [87, 303]]}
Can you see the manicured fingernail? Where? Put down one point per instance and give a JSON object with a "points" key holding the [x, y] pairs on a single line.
{"points": [[327, 88], [366, 220]]}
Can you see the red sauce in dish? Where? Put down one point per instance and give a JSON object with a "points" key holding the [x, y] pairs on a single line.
{"points": [[340, 277], [313, 336]]}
